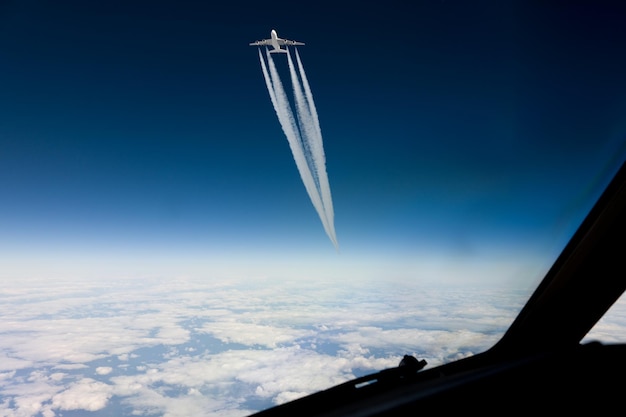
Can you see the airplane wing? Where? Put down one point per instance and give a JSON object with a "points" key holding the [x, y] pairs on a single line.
{"points": [[289, 43], [264, 42]]}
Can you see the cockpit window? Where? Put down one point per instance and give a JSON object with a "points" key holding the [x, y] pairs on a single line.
{"points": [[166, 241], [611, 328]]}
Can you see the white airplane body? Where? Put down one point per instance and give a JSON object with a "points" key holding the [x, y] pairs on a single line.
{"points": [[275, 42]]}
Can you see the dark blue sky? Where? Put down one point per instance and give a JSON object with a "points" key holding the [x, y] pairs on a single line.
{"points": [[144, 130]]}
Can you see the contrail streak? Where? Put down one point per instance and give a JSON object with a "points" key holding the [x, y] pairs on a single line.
{"points": [[312, 138], [301, 156], [318, 151], [305, 138], [287, 122], [307, 128]]}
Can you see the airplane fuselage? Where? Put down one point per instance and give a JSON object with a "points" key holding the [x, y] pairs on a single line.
{"points": [[274, 41]]}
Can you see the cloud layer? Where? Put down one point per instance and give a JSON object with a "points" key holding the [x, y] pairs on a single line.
{"points": [[185, 347]]}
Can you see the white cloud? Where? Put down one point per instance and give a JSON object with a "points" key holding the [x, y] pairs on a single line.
{"points": [[149, 402], [57, 376], [251, 334], [8, 363], [31, 394], [438, 345], [275, 375], [103, 370], [86, 394], [30, 404], [71, 366], [287, 396], [7, 375]]}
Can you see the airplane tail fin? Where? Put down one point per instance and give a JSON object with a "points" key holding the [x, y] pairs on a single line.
{"points": [[278, 51]]}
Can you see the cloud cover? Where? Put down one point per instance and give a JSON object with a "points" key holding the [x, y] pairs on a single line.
{"points": [[208, 347]]}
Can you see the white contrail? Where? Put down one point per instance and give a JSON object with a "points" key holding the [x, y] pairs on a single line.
{"points": [[301, 155], [287, 122], [318, 151], [307, 127], [312, 138], [305, 143]]}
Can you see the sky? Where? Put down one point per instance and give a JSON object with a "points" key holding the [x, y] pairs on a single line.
{"points": [[139, 136]]}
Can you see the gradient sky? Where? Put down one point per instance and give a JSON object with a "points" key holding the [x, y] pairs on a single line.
{"points": [[139, 136]]}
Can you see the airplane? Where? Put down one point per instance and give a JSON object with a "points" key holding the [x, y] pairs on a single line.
{"points": [[276, 43]]}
